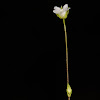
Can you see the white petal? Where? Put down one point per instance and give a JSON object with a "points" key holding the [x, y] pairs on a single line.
{"points": [[56, 11], [63, 13], [65, 7], [57, 8], [61, 10]]}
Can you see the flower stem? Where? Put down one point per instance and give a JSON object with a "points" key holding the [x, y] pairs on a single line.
{"points": [[68, 98], [66, 50], [66, 53]]}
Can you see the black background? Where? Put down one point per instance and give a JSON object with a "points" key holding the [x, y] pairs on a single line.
{"points": [[33, 51]]}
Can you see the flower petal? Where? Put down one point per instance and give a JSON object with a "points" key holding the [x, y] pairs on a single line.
{"points": [[57, 8], [65, 7], [56, 11], [63, 13]]}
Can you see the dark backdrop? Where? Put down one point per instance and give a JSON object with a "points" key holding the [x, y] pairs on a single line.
{"points": [[33, 51]]}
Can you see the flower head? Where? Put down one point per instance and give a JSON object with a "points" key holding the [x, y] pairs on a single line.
{"points": [[62, 12]]}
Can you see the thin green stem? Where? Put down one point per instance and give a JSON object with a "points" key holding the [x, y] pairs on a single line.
{"points": [[66, 50], [66, 53]]}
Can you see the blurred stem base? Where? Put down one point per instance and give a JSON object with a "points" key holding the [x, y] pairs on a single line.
{"points": [[68, 98]]}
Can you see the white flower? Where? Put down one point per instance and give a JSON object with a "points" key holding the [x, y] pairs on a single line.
{"points": [[62, 12]]}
